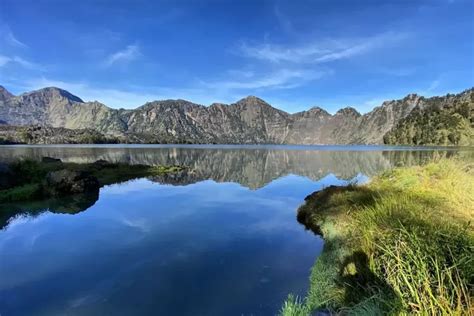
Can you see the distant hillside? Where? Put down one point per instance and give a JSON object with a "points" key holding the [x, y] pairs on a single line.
{"points": [[445, 120], [248, 121], [51, 135]]}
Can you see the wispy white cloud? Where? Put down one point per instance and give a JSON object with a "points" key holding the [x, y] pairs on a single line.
{"points": [[432, 88], [25, 63], [9, 38], [434, 85], [319, 51], [201, 92], [131, 52], [14, 41], [344, 52], [129, 97], [280, 53], [4, 60], [281, 79]]}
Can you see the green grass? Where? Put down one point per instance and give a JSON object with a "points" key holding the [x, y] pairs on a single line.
{"points": [[115, 173], [21, 193], [294, 306], [402, 244]]}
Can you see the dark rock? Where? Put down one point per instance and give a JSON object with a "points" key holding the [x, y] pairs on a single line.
{"points": [[101, 163], [65, 182], [7, 179], [50, 160]]}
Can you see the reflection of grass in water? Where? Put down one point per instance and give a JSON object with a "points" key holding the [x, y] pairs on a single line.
{"points": [[71, 204], [400, 244], [29, 176], [22, 192]]}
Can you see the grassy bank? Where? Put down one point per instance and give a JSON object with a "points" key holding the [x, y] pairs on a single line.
{"points": [[28, 176], [402, 244]]}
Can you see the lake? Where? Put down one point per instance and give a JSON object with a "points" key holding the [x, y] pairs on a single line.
{"points": [[221, 239]]}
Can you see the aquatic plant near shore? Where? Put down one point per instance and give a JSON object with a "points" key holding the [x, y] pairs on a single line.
{"points": [[401, 244]]}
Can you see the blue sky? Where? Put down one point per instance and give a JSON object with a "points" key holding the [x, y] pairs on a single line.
{"points": [[293, 54]]}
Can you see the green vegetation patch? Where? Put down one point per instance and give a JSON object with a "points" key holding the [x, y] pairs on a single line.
{"points": [[21, 193], [27, 177], [402, 244], [450, 123]]}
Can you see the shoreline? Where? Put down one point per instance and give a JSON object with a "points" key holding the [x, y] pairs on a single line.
{"points": [[321, 147], [30, 180], [30, 186], [401, 243]]}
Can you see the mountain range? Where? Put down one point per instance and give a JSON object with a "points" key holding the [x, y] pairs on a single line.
{"points": [[32, 116]]}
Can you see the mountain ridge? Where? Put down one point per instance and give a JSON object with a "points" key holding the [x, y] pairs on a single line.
{"points": [[249, 97], [249, 120]]}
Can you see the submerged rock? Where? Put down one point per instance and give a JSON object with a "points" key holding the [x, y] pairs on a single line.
{"points": [[65, 182], [101, 163], [50, 159]]}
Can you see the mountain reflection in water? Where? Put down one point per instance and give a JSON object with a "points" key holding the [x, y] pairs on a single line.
{"points": [[252, 167], [221, 239]]}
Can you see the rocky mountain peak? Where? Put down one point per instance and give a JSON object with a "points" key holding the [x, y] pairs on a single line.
{"points": [[252, 100], [55, 93], [318, 110], [170, 105], [5, 94], [248, 121], [217, 104], [348, 111], [411, 96]]}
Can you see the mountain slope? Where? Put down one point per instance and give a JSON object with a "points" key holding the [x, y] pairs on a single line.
{"points": [[447, 120], [248, 121], [58, 108], [5, 94]]}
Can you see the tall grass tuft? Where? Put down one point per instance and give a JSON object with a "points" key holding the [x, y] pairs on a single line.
{"points": [[294, 306], [403, 243]]}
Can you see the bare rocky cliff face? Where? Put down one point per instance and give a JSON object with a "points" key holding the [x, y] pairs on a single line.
{"points": [[248, 121]]}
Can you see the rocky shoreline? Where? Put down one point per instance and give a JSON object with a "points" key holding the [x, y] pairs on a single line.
{"points": [[33, 180]]}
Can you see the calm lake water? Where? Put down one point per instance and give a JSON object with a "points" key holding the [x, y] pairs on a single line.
{"points": [[220, 240]]}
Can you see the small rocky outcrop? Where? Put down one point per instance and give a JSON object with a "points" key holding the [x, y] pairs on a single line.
{"points": [[50, 159], [101, 164], [65, 182]]}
